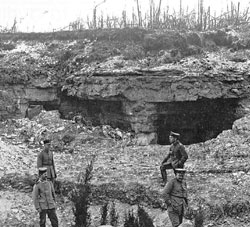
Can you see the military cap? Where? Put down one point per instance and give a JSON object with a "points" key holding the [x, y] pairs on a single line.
{"points": [[180, 170], [174, 134], [42, 170]]}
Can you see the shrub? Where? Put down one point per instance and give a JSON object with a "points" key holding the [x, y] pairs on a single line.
{"points": [[199, 218], [104, 214], [64, 56], [143, 218], [7, 46], [130, 220], [133, 52], [113, 215], [81, 197]]}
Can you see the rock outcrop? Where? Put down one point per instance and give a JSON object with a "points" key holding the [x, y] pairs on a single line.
{"points": [[148, 82]]}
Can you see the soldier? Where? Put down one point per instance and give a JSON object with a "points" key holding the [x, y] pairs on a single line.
{"points": [[176, 157], [175, 197], [45, 159], [44, 199]]}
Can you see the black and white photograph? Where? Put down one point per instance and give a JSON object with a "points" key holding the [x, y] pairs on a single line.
{"points": [[124, 113]]}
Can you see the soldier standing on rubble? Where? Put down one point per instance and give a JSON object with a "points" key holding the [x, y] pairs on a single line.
{"points": [[45, 159], [175, 196], [44, 199], [176, 157]]}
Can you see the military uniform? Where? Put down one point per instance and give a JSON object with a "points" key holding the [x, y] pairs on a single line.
{"points": [[44, 200], [175, 196], [45, 159], [176, 157]]}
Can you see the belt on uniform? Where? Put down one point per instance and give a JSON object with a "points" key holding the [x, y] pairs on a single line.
{"points": [[181, 197]]}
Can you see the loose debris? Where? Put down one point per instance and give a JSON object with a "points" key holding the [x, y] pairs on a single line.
{"points": [[217, 168]]}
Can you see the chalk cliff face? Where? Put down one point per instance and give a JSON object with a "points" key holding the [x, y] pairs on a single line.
{"points": [[158, 85], [148, 97], [150, 83]]}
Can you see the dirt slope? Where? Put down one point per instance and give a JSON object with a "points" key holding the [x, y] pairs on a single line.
{"points": [[217, 169]]}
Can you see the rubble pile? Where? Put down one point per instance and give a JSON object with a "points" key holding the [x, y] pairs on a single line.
{"points": [[30, 53], [126, 172], [21, 140], [7, 110], [48, 124], [229, 151]]}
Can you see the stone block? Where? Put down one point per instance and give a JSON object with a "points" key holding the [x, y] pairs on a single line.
{"points": [[144, 139]]}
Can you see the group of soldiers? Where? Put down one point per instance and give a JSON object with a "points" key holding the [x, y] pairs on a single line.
{"points": [[43, 191], [174, 192]]}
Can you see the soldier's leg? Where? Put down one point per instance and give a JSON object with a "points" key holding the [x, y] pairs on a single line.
{"points": [[181, 165], [163, 168], [181, 214], [53, 217], [174, 218], [163, 173], [43, 218]]}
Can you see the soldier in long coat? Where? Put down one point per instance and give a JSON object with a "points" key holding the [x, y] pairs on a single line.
{"points": [[44, 199], [175, 196], [45, 159], [176, 157]]}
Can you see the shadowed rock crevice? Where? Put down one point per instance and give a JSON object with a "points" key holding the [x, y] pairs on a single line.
{"points": [[196, 121], [95, 112]]}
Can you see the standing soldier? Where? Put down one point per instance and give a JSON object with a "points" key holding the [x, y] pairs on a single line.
{"points": [[45, 159], [176, 157], [44, 199], [175, 197]]}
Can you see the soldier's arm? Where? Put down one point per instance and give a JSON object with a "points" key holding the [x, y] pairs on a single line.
{"points": [[53, 165], [167, 191], [53, 191], [186, 195], [35, 195], [184, 155], [40, 160]]}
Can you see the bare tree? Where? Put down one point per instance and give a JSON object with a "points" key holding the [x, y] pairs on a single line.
{"points": [[14, 27], [139, 13], [94, 13], [158, 12], [201, 14], [180, 8]]}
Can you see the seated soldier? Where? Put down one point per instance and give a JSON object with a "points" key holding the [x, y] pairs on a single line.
{"points": [[176, 157]]}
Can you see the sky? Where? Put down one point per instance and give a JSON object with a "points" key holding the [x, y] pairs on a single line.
{"points": [[46, 15]]}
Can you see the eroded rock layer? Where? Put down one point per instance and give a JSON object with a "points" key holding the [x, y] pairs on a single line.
{"points": [[148, 82]]}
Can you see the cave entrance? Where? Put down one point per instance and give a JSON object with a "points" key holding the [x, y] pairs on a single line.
{"points": [[96, 112], [196, 121], [35, 107], [47, 105]]}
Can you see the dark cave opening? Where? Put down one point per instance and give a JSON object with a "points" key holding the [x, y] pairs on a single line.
{"points": [[47, 105], [97, 112], [196, 121], [35, 107]]}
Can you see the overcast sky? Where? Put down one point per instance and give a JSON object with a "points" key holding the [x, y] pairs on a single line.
{"points": [[46, 15]]}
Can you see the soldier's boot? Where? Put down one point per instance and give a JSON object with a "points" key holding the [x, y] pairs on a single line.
{"points": [[164, 175]]}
